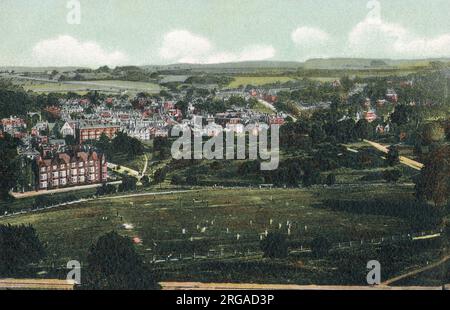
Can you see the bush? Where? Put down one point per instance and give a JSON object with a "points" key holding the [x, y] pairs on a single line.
{"points": [[106, 189], [275, 246], [176, 180], [392, 175], [331, 179], [19, 247], [320, 246], [113, 264]]}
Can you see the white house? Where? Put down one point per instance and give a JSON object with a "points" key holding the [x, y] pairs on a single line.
{"points": [[67, 130]]}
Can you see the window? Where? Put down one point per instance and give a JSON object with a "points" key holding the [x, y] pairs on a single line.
{"points": [[55, 174], [43, 169], [80, 164]]}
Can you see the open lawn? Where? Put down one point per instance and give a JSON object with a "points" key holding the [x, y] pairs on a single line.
{"points": [[212, 220]]}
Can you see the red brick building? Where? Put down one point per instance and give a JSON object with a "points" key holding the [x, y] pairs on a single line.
{"points": [[64, 170], [93, 132]]}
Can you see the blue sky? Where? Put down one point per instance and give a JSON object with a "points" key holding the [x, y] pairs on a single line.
{"points": [[118, 32]]}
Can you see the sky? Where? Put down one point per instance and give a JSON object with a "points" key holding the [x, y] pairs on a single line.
{"points": [[92, 33]]}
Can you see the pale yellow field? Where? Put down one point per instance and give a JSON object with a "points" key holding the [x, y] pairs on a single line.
{"points": [[258, 80]]}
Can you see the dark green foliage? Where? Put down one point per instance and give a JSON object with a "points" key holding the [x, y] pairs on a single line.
{"points": [[434, 181], [275, 246], [106, 189], [320, 246], [14, 100], [70, 140], [401, 115], [121, 143], [331, 179], [113, 264], [159, 176], [128, 184], [19, 247], [392, 175], [392, 157], [9, 165], [145, 180], [176, 180], [192, 180]]}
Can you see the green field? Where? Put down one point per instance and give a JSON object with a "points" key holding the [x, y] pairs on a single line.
{"points": [[82, 87], [258, 80], [69, 232]]}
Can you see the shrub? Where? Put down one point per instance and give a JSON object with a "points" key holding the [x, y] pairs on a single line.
{"points": [[275, 246]]}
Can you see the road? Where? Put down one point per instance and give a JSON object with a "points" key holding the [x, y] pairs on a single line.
{"points": [[268, 287], [417, 271], [404, 160], [271, 107], [58, 190], [123, 170]]}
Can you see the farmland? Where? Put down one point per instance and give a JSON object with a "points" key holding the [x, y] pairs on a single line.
{"points": [[82, 87], [258, 80]]}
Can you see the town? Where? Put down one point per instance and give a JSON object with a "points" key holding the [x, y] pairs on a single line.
{"points": [[290, 146]]}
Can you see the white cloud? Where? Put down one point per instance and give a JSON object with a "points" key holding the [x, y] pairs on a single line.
{"points": [[309, 37], [69, 51], [182, 46], [375, 37], [311, 42]]}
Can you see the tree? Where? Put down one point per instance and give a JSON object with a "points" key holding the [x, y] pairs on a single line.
{"points": [[19, 247], [128, 184], [145, 180], [392, 157], [392, 175], [192, 180], [176, 180], [275, 246], [320, 246], [113, 264], [331, 179], [433, 133], [401, 115], [362, 129], [159, 176], [9, 164], [70, 140], [434, 180], [106, 189]]}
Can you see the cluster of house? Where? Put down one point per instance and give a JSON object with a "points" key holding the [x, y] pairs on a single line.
{"points": [[14, 126]]}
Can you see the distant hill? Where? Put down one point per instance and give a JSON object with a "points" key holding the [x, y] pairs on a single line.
{"points": [[318, 64], [39, 69], [364, 63], [231, 65]]}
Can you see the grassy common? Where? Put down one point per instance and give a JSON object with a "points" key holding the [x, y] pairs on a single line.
{"points": [[212, 218]]}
